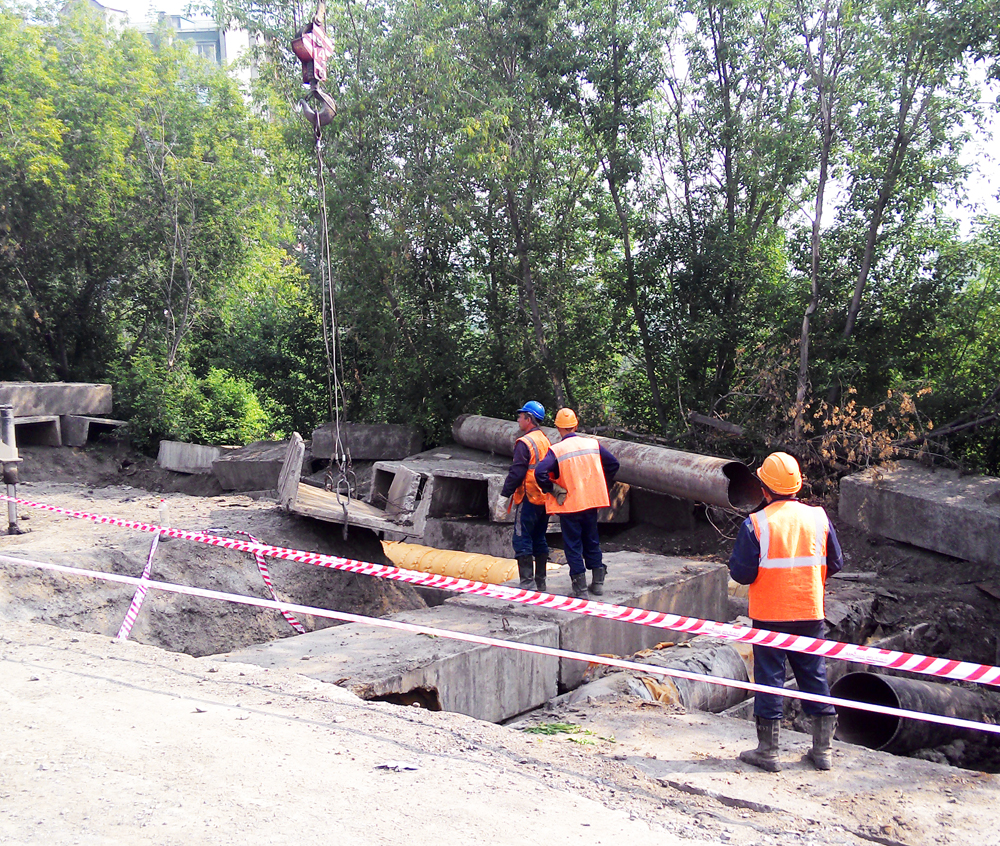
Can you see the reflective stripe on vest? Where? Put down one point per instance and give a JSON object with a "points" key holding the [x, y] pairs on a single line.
{"points": [[581, 473], [792, 572], [537, 445]]}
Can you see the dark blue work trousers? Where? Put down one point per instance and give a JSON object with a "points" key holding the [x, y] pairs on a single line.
{"points": [[809, 670], [530, 524], [581, 542]]}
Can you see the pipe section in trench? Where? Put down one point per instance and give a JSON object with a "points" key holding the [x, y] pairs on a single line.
{"points": [[446, 562], [899, 735], [705, 655], [714, 481]]}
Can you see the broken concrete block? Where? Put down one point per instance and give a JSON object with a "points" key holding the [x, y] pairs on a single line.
{"points": [[255, 467], [190, 458], [655, 582], [367, 441], [467, 678], [77, 430]]}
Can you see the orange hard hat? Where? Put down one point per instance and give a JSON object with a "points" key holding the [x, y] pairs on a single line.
{"points": [[566, 419], [780, 472]]}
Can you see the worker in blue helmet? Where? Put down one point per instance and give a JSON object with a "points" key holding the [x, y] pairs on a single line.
{"points": [[530, 518]]}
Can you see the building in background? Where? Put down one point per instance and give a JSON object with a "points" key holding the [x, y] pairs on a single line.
{"points": [[223, 46]]}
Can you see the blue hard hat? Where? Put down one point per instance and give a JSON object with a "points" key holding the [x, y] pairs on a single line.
{"points": [[533, 408]]}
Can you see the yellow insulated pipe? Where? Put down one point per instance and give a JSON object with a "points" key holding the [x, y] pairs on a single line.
{"points": [[447, 562]]}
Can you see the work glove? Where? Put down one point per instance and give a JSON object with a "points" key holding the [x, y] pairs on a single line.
{"points": [[559, 492]]}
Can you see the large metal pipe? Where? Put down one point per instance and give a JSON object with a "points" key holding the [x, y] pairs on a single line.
{"points": [[716, 481], [446, 562], [707, 656], [898, 734], [9, 469]]}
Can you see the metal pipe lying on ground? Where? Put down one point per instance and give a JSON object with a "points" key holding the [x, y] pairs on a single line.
{"points": [[715, 481], [707, 656], [888, 733]]}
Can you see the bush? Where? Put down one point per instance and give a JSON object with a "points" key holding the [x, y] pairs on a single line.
{"points": [[174, 404]]}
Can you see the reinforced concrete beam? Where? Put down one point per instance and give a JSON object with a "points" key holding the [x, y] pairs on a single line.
{"points": [[932, 508], [35, 399], [656, 582], [77, 430]]}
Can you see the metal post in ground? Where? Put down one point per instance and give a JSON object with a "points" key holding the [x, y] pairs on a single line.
{"points": [[10, 467]]}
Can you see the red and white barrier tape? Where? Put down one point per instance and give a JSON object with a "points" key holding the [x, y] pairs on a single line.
{"points": [[645, 669], [889, 659], [140, 594], [262, 569]]}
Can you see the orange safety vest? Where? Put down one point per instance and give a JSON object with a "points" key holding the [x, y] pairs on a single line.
{"points": [[537, 445], [581, 473], [789, 583]]}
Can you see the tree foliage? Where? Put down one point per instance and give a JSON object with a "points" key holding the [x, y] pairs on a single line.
{"points": [[639, 209]]}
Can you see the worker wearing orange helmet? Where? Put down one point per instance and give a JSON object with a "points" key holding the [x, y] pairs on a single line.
{"points": [[585, 470], [785, 552]]}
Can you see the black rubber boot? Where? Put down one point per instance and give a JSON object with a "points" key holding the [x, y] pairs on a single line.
{"points": [[526, 572], [597, 580], [821, 753], [541, 561], [580, 586], [765, 755]]}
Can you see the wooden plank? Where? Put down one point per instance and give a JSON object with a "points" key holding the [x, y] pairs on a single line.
{"points": [[322, 504]]}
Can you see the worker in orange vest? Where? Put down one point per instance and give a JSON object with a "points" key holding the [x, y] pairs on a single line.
{"points": [[585, 470], [530, 518], [785, 552]]}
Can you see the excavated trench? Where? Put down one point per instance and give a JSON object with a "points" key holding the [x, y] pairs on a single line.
{"points": [[905, 599]]}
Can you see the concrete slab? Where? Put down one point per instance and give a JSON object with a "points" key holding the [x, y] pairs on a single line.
{"points": [[34, 399], [935, 509], [656, 582], [194, 459], [39, 430], [368, 441], [254, 467], [77, 430], [291, 471], [480, 681]]}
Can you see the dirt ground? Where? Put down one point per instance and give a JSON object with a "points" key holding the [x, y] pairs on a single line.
{"points": [[109, 742]]}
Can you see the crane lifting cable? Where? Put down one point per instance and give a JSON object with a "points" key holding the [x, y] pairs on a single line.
{"points": [[313, 48]]}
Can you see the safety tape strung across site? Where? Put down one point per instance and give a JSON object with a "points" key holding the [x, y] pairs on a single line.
{"points": [[889, 659], [140, 594], [550, 651], [262, 569]]}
